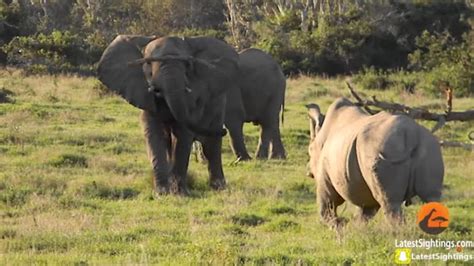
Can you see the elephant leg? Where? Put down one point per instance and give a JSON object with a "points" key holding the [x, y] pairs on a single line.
{"points": [[393, 212], [264, 142], [182, 145], [366, 213], [157, 137], [235, 126], [212, 150], [277, 151]]}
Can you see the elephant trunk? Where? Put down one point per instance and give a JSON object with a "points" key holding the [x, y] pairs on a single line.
{"points": [[174, 92], [173, 89]]}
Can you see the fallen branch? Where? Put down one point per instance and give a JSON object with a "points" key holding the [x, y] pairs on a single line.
{"points": [[355, 95], [415, 113], [466, 146]]}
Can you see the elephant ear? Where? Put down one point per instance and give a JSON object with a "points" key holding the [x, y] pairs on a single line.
{"points": [[126, 79], [215, 61]]}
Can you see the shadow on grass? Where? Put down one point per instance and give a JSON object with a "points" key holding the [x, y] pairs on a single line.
{"points": [[69, 160], [103, 191], [247, 219]]}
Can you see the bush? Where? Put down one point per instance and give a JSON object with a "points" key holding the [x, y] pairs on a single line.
{"points": [[216, 33], [58, 52], [441, 59], [372, 79]]}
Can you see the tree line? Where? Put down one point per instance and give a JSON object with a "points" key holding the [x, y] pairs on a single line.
{"points": [[371, 37]]}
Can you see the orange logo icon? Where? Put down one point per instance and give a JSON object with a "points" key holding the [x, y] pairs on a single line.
{"points": [[433, 218]]}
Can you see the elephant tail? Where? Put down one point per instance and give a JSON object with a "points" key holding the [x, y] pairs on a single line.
{"points": [[282, 114]]}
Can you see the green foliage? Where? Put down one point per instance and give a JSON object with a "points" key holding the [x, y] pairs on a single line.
{"points": [[218, 34], [372, 79], [10, 13], [58, 52], [329, 37], [415, 17], [442, 59], [439, 60], [333, 47]]}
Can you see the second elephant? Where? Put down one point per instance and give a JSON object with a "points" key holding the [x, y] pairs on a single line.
{"points": [[259, 100]]}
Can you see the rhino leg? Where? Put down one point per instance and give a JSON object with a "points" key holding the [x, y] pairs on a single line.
{"points": [[328, 200]]}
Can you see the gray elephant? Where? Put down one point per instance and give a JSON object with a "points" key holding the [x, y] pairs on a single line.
{"points": [[259, 99], [181, 85], [373, 161]]}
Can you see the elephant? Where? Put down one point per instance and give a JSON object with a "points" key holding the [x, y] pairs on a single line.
{"points": [[372, 161], [180, 84], [259, 98]]}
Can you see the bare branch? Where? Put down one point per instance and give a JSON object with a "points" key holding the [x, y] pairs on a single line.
{"points": [[415, 113], [466, 146], [359, 99]]}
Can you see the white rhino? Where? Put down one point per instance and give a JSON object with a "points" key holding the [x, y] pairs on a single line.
{"points": [[371, 161]]}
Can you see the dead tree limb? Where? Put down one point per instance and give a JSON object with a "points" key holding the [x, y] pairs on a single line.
{"points": [[415, 113], [355, 95], [466, 146]]}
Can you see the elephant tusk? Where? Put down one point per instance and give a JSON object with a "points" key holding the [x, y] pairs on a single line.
{"points": [[155, 91]]}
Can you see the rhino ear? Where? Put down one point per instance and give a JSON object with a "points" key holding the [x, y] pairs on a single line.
{"points": [[316, 119], [127, 79]]}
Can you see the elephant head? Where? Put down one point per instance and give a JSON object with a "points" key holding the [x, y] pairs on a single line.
{"points": [[186, 72]]}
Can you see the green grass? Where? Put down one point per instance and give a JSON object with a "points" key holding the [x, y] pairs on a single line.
{"points": [[75, 187]]}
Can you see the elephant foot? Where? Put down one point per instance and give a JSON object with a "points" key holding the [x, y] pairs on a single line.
{"points": [[218, 184], [182, 191], [241, 159], [162, 190], [278, 156], [179, 188]]}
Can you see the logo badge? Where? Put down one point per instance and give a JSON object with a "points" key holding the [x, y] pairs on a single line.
{"points": [[402, 256], [433, 218]]}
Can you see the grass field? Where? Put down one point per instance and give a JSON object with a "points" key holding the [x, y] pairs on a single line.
{"points": [[75, 187]]}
